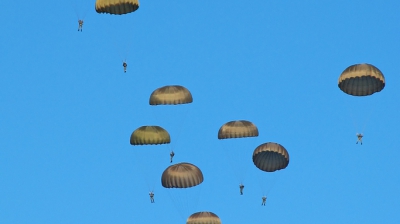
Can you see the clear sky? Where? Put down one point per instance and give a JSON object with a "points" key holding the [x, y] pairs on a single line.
{"points": [[68, 110]]}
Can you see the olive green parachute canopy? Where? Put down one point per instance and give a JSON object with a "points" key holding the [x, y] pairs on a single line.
{"points": [[237, 129], [270, 157], [203, 218], [150, 135], [181, 175], [361, 80], [170, 95], [117, 7]]}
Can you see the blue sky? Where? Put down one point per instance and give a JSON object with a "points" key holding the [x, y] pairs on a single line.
{"points": [[69, 110]]}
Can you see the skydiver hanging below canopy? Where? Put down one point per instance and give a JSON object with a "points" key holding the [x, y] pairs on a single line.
{"points": [[264, 199], [151, 197], [241, 186], [359, 138], [80, 22], [172, 155], [125, 65]]}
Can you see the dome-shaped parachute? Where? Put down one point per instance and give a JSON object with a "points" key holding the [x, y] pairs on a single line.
{"points": [[170, 95], [203, 218], [117, 7], [237, 129], [361, 80], [150, 135], [181, 175], [270, 157]]}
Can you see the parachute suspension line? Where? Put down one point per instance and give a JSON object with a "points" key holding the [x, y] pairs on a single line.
{"points": [[356, 120], [370, 113], [121, 40], [239, 173], [175, 202], [74, 6], [171, 110], [180, 199], [127, 40], [353, 118], [78, 13], [144, 177], [120, 54], [197, 199], [182, 121], [158, 121], [266, 188], [148, 164], [85, 13], [361, 120], [191, 200]]}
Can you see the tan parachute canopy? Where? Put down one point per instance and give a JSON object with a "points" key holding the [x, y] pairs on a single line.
{"points": [[270, 157], [361, 80], [237, 129], [117, 7], [203, 218], [150, 135], [170, 95], [181, 175]]}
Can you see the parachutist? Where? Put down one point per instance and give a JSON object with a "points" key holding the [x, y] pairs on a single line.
{"points": [[125, 65], [264, 199], [151, 196], [359, 138], [241, 186], [80, 22], [172, 155]]}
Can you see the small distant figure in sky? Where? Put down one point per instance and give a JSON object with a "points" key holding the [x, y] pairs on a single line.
{"points": [[241, 186], [80, 22], [359, 138], [125, 65], [151, 196], [264, 199], [171, 155]]}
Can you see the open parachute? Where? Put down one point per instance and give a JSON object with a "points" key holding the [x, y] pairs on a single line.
{"points": [[270, 157], [170, 95], [203, 218], [182, 175], [361, 80], [116, 7], [237, 129], [150, 135]]}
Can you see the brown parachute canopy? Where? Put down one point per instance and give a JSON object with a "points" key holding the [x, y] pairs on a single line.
{"points": [[237, 129], [203, 218], [270, 157], [117, 7], [181, 175], [170, 95], [361, 80], [150, 135]]}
